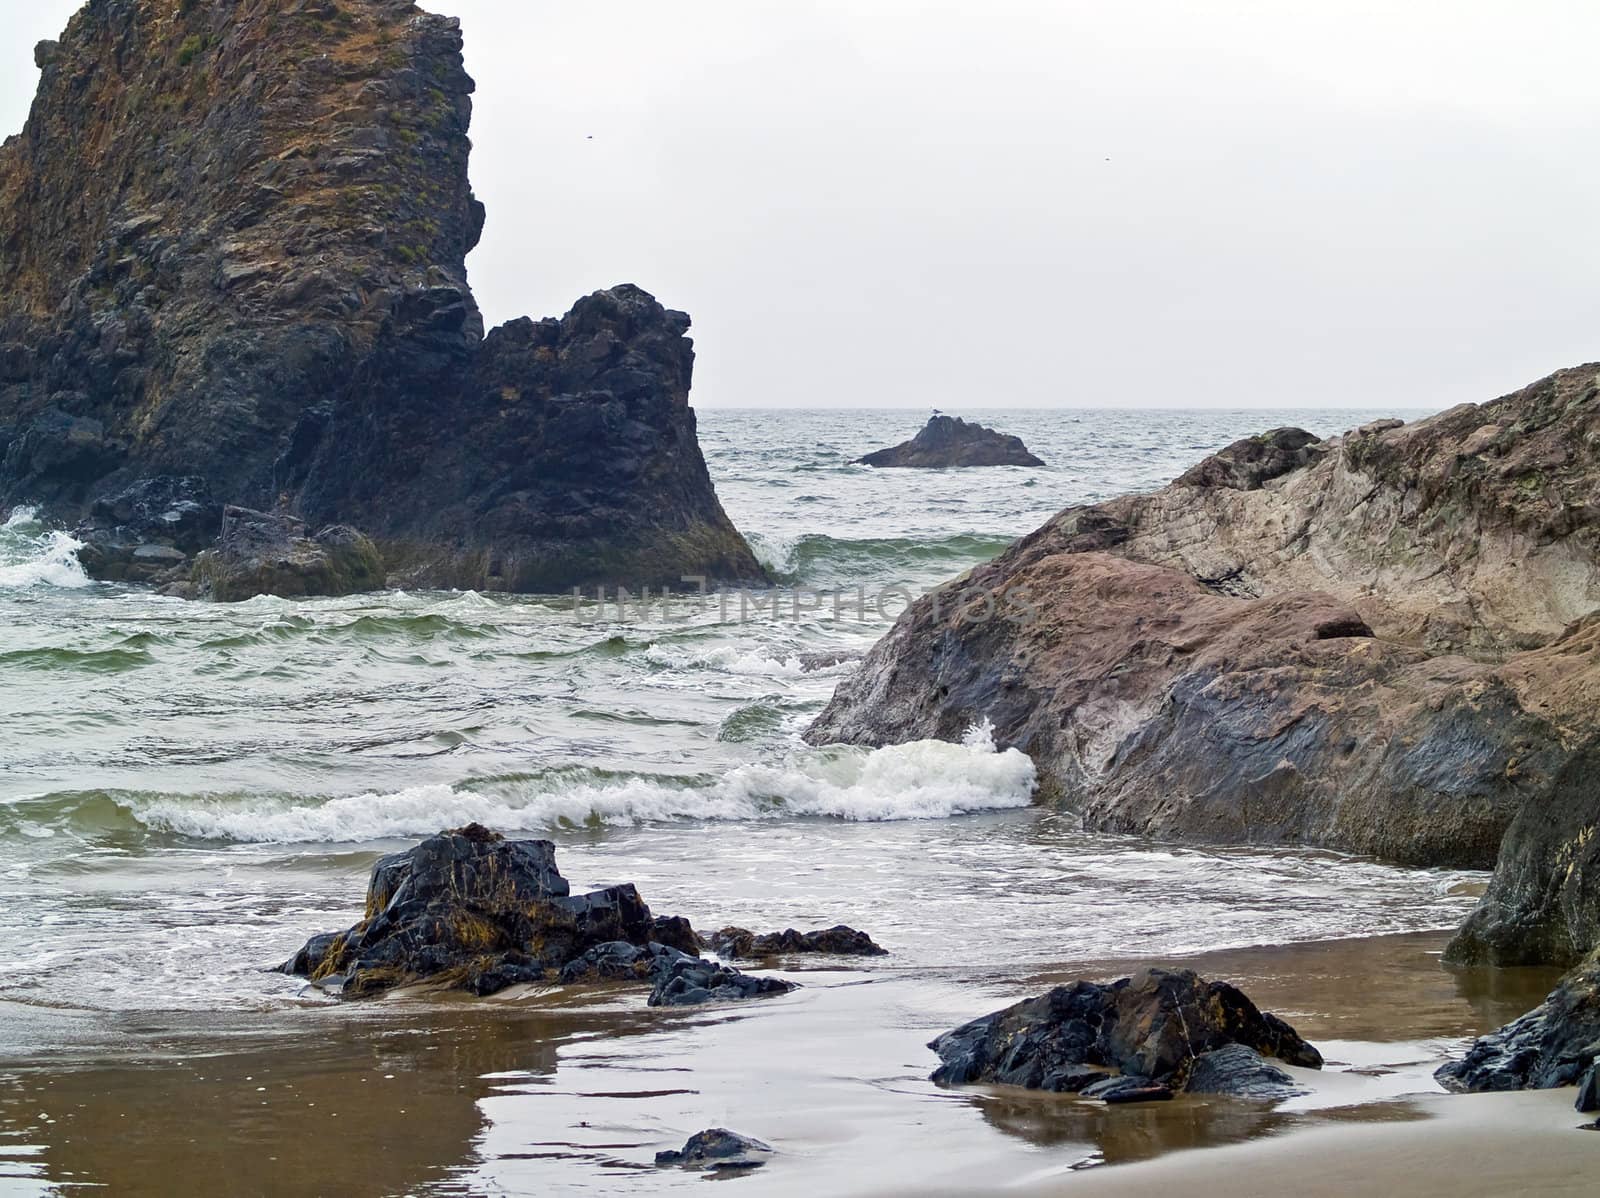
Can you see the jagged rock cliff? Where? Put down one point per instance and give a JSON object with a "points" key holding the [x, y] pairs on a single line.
{"points": [[1384, 644], [232, 253]]}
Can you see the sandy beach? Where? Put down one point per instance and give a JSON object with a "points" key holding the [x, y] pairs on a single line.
{"points": [[547, 1091], [1513, 1143]]}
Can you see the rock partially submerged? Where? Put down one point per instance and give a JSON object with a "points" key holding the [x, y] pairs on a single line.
{"points": [[267, 553], [838, 941], [1555, 1044], [1240, 1071], [716, 1149], [471, 910], [689, 982], [150, 531], [261, 287], [1141, 1038], [1390, 647], [947, 441]]}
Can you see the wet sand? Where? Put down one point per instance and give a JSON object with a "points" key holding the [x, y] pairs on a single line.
{"points": [[554, 1092], [1525, 1143]]}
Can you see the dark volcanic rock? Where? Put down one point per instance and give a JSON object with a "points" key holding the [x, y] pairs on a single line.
{"points": [[1588, 1099], [1115, 1091], [674, 931], [1239, 1070], [474, 910], [717, 1148], [264, 553], [1252, 462], [950, 441], [619, 961], [1555, 1044], [149, 531], [1153, 1030], [260, 284], [1392, 649], [1542, 906], [687, 982], [839, 941]]}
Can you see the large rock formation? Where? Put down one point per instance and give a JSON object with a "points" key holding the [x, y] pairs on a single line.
{"points": [[950, 441], [1140, 1038], [232, 247], [1384, 643]]}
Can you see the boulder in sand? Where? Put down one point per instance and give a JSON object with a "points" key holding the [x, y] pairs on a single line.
{"points": [[1140, 1038]]}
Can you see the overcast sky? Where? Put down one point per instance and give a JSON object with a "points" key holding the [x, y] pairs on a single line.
{"points": [[1170, 203]]}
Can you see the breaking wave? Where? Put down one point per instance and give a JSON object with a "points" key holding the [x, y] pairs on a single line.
{"points": [[819, 560], [921, 780], [33, 556]]}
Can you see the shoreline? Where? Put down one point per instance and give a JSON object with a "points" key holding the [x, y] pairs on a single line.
{"points": [[526, 1089], [1523, 1141]]}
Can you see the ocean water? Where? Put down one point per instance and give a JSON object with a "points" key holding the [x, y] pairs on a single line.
{"points": [[187, 791]]}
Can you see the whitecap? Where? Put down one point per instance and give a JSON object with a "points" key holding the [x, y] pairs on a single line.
{"points": [[727, 659], [924, 779], [31, 556]]}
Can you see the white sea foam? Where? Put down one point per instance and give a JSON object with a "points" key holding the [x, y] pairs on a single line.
{"points": [[730, 659], [30, 556], [775, 551], [921, 780]]}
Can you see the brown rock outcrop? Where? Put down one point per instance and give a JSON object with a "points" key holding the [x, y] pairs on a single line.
{"points": [[1383, 650]]}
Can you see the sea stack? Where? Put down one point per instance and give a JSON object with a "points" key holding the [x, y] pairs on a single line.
{"points": [[234, 273], [947, 441]]}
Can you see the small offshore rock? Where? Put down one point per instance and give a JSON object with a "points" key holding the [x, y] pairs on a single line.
{"points": [[688, 982], [1156, 1027], [947, 441], [838, 941], [717, 1148]]}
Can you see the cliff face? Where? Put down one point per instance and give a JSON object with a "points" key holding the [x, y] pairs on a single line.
{"points": [[234, 239], [1386, 643]]}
